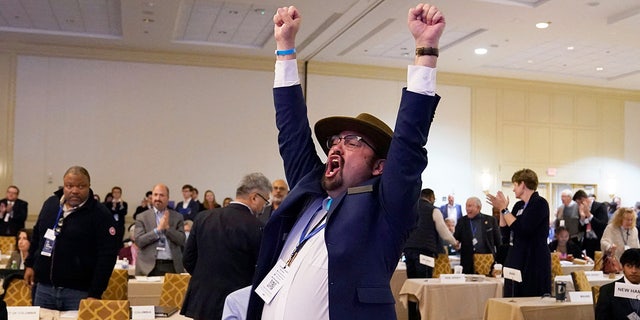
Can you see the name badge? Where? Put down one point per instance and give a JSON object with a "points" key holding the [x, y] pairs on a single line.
{"points": [[633, 316], [624, 290], [474, 241], [49, 242], [427, 261], [273, 282]]}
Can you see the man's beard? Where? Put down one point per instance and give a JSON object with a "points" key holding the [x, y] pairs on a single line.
{"points": [[333, 184]]}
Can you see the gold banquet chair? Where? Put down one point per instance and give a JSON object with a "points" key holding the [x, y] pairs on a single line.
{"points": [[556, 268], [597, 258], [595, 293], [580, 281], [173, 289], [104, 310], [117, 288], [441, 265], [482, 263], [17, 293], [7, 244]]}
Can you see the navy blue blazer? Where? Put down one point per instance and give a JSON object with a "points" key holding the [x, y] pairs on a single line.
{"points": [[610, 307], [366, 227], [445, 211]]}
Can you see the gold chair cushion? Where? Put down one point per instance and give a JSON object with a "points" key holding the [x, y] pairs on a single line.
{"points": [[104, 309], [597, 258], [580, 281], [7, 244], [595, 293], [18, 294], [441, 265], [173, 289], [556, 269]]}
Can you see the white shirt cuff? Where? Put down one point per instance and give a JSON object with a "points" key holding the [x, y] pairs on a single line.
{"points": [[421, 79], [286, 73]]}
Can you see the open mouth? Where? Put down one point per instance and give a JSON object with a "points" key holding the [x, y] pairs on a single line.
{"points": [[334, 163]]}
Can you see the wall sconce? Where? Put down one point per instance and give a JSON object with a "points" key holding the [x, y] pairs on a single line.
{"points": [[485, 181]]}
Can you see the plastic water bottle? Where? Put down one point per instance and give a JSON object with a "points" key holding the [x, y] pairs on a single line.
{"points": [[125, 263], [14, 265]]}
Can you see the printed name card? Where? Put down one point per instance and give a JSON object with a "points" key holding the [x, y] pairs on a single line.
{"points": [[624, 290], [427, 261], [580, 296], [452, 278], [512, 274], [143, 312], [594, 274], [23, 313]]}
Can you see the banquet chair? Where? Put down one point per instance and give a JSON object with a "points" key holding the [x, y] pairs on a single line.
{"points": [[556, 269], [104, 310], [595, 293], [597, 258], [7, 244], [173, 289], [117, 288], [441, 265], [482, 263], [16, 292], [580, 281]]}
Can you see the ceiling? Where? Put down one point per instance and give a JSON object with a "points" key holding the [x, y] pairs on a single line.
{"points": [[602, 34]]}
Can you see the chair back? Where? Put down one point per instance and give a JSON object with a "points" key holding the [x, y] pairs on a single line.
{"points": [[441, 265], [597, 258], [117, 288], [7, 244], [580, 281], [556, 269], [17, 293], [173, 289], [104, 310], [595, 293], [482, 263]]}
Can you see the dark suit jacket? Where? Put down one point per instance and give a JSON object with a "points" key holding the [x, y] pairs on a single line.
{"points": [[445, 211], [464, 234], [600, 218], [221, 255], [15, 223], [610, 307], [366, 227]]}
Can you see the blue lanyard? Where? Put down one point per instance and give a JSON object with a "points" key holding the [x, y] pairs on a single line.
{"points": [[304, 237], [473, 228], [55, 224]]}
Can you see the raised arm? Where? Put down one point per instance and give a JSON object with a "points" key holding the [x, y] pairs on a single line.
{"points": [[426, 24], [286, 23]]}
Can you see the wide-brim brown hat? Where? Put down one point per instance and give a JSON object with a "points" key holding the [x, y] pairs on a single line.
{"points": [[377, 132]]}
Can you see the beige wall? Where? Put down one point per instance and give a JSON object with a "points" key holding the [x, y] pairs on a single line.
{"points": [[135, 119]]}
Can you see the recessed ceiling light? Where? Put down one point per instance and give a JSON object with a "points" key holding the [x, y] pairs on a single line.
{"points": [[599, 68], [481, 51], [405, 54], [529, 61], [259, 11], [570, 48], [149, 4], [542, 25]]}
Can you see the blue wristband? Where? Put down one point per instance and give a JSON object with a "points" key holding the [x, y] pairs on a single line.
{"points": [[285, 52]]}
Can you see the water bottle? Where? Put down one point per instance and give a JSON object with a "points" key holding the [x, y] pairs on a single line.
{"points": [[14, 265], [125, 263]]}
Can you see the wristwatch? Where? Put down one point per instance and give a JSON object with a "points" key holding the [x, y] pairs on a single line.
{"points": [[427, 51], [504, 211]]}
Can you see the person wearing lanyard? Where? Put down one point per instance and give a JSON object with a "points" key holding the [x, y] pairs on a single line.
{"points": [[477, 233], [73, 248], [621, 233], [336, 262], [160, 237]]}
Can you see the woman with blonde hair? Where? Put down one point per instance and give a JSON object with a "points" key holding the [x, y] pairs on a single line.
{"points": [[209, 201], [621, 233]]}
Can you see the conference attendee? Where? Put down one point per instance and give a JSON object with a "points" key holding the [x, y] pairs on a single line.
{"points": [[226, 201], [621, 233], [16, 261], [568, 216], [130, 250], [188, 224], [565, 246], [145, 204], [612, 305], [194, 197], [210, 201], [279, 191], [222, 250], [73, 246], [13, 212], [355, 211], [593, 218], [425, 240], [528, 225], [477, 233], [118, 208], [160, 237], [188, 208], [451, 210]]}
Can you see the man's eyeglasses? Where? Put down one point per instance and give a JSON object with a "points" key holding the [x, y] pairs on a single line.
{"points": [[266, 201], [351, 142]]}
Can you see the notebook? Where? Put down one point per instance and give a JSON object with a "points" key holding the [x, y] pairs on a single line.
{"points": [[164, 311]]}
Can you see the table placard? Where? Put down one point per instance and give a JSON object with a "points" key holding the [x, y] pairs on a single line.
{"points": [[580, 296], [625, 290], [143, 312], [452, 278], [23, 313], [512, 274], [594, 274], [427, 261]]}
